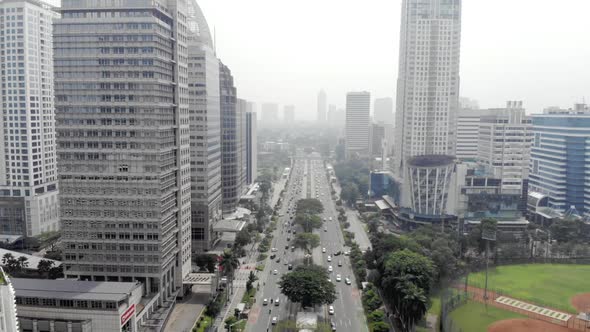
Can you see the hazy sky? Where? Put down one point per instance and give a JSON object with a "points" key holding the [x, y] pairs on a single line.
{"points": [[285, 51]]}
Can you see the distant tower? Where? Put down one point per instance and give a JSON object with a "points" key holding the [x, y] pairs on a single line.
{"points": [[322, 106], [358, 107], [289, 114]]}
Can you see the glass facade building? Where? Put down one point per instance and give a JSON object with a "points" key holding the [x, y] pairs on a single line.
{"points": [[559, 166]]}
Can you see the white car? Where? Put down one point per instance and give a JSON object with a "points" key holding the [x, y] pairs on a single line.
{"points": [[329, 258], [265, 302], [323, 249], [330, 269], [277, 301], [347, 281], [346, 253], [330, 218], [273, 249], [338, 277], [329, 279], [331, 310], [275, 272], [274, 321]]}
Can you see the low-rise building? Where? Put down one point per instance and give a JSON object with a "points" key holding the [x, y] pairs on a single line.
{"points": [[78, 306]]}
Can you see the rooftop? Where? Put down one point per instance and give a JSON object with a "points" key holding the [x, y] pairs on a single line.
{"points": [[73, 289], [33, 260]]}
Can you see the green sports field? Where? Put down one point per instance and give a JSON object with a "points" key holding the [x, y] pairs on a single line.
{"points": [[550, 285], [473, 317]]}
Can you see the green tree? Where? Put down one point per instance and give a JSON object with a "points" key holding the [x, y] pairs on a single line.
{"points": [[308, 222], [44, 267], [243, 238], [380, 327], [350, 193], [406, 281], [308, 285], [306, 241], [309, 206], [206, 261], [229, 263], [566, 230]]}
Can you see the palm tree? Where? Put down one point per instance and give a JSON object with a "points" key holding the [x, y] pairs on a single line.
{"points": [[229, 263], [23, 262], [7, 258]]}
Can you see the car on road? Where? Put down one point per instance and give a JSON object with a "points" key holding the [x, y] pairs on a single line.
{"points": [[330, 269], [330, 218], [275, 272], [333, 325], [346, 253], [329, 279], [329, 258], [325, 229], [290, 267], [287, 246], [279, 260], [338, 253], [265, 302], [273, 249], [347, 281], [274, 321], [323, 249], [277, 302], [339, 263], [338, 278], [331, 310]]}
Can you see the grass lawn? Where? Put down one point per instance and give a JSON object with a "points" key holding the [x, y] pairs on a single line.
{"points": [[473, 316], [205, 323], [435, 307], [544, 284]]}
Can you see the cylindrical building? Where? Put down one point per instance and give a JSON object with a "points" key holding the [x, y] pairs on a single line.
{"points": [[429, 177]]}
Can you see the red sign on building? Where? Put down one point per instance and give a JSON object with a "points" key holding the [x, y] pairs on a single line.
{"points": [[128, 314]]}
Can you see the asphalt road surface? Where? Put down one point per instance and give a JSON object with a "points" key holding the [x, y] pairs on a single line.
{"points": [[308, 180]]}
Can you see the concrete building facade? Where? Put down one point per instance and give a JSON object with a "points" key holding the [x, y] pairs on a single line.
{"points": [[428, 79], [322, 108], [383, 110], [467, 129], [504, 146], [205, 132], [29, 202], [358, 108], [251, 148], [123, 125]]}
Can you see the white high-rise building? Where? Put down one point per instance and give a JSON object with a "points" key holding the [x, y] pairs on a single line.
{"points": [[357, 135], [467, 130], [322, 106], [251, 146], [205, 135], [123, 124], [28, 173], [8, 318], [504, 146], [428, 79]]}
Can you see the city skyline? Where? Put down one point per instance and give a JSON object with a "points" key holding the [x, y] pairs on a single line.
{"points": [[513, 69]]}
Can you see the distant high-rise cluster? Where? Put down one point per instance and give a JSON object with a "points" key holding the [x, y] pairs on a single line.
{"points": [[358, 107]]}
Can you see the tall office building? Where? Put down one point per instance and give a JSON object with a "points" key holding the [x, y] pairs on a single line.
{"points": [[383, 110], [243, 107], [122, 111], [270, 113], [504, 146], [428, 79], [251, 147], [8, 318], [230, 141], [358, 108], [28, 173], [467, 130], [322, 106], [559, 176], [377, 139], [289, 114], [205, 135], [331, 116]]}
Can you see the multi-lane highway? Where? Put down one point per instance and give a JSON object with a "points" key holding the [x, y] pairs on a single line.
{"points": [[307, 180]]}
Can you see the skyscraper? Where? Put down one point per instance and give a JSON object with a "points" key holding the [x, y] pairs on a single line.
{"points": [[230, 142], [358, 108], [289, 114], [28, 173], [331, 116], [428, 79], [205, 125], [322, 106], [243, 107], [122, 109], [270, 113], [383, 110], [251, 147]]}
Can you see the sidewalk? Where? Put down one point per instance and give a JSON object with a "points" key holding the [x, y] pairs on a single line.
{"points": [[243, 272]]}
